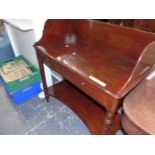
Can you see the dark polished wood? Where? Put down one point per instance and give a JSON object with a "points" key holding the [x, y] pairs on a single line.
{"points": [[122, 22], [139, 109], [142, 24], [105, 61], [87, 109]]}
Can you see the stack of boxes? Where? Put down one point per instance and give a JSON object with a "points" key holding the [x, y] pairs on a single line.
{"points": [[20, 78]]}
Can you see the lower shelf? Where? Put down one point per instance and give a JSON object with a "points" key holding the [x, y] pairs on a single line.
{"points": [[90, 112]]}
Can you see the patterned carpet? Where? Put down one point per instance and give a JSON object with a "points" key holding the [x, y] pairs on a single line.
{"points": [[36, 117]]}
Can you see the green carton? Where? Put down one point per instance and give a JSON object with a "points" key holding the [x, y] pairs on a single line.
{"points": [[25, 81]]}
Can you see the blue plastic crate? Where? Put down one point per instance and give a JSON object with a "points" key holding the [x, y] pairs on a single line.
{"points": [[26, 93]]}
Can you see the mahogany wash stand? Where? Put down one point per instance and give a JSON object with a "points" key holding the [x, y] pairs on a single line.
{"points": [[101, 63]]}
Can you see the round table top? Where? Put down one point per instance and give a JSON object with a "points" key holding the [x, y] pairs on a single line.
{"points": [[139, 106]]}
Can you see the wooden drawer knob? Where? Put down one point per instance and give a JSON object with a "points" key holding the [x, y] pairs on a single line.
{"points": [[83, 83]]}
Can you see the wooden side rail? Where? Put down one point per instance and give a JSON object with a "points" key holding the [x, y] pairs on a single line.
{"points": [[143, 67]]}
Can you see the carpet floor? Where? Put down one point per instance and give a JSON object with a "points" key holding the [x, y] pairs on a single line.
{"points": [[37, 117]]}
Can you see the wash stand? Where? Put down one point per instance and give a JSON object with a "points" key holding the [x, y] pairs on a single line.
{"points": [[100, 62]]}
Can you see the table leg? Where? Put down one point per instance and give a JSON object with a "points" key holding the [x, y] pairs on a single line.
{"points": [[108, 121], [42, 71]]}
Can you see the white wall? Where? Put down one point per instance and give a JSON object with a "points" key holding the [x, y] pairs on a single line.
{"points": [[22, 43], [38, 25]]}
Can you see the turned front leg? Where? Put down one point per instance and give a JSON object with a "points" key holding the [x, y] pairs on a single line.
{"points": [[108, 121], [44, 81], [42, 71]]}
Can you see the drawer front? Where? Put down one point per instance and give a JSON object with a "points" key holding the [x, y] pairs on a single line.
{"points": [[84, 85]]}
